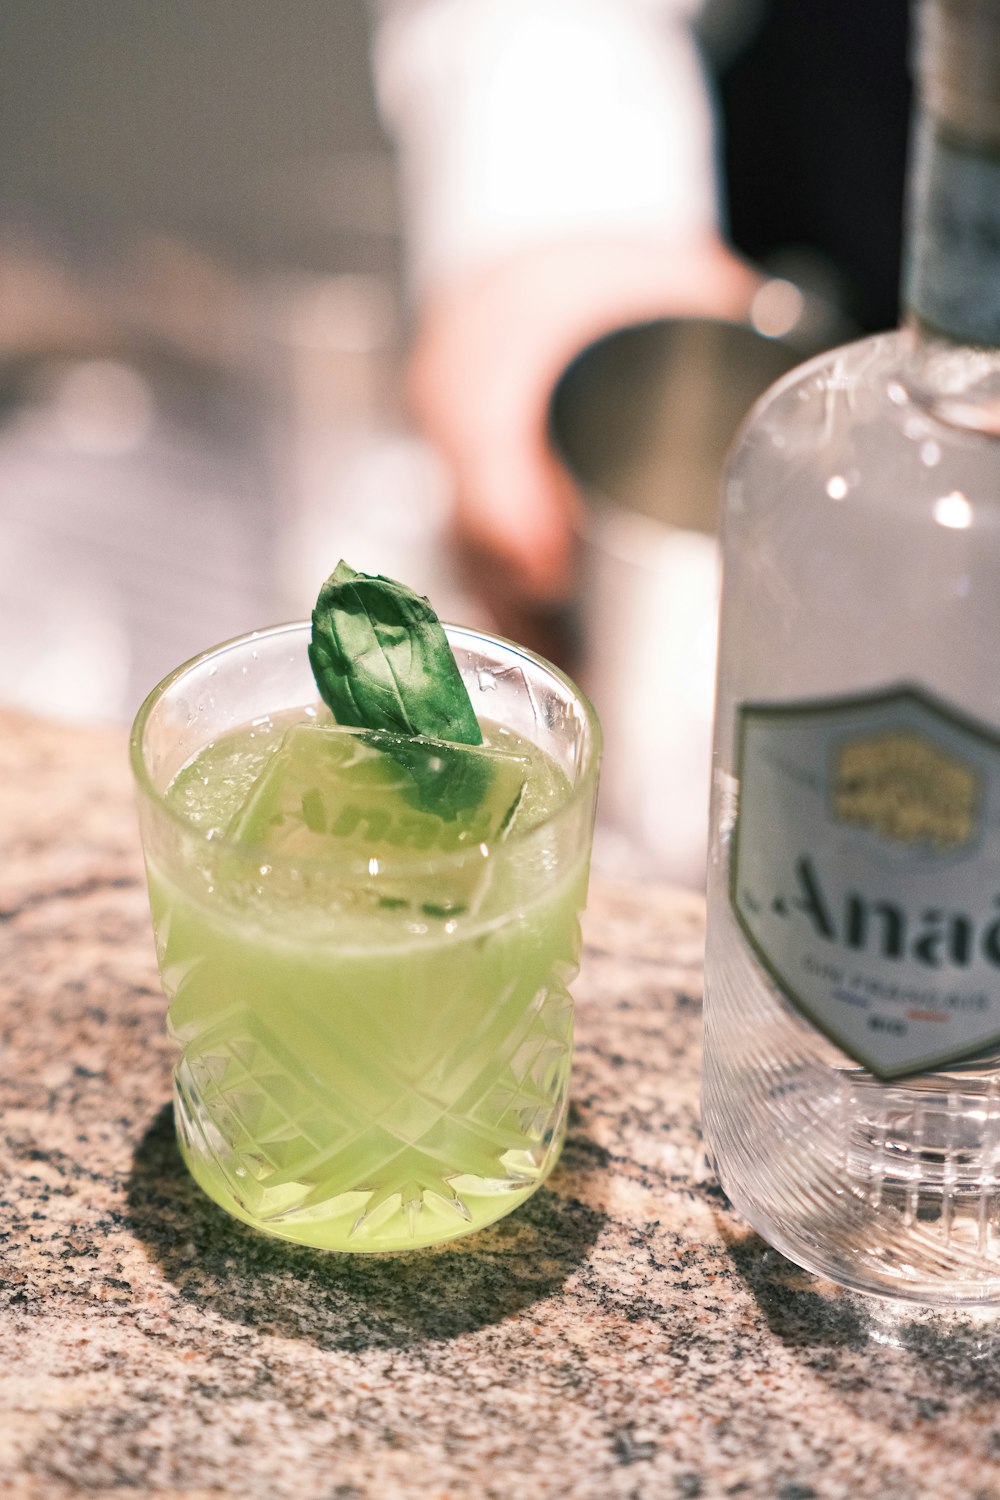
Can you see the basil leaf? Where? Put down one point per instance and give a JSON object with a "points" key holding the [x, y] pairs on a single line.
{"points": [[381, 660], [449, 795]]}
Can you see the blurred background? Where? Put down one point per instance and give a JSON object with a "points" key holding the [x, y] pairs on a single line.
{"points": [[200, 337], [204, 319]]}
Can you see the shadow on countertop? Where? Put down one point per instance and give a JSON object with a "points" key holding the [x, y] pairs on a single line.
{"points": [[896, 1362], [347, 1302]]}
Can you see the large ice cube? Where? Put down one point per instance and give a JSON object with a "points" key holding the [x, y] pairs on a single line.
{"points": [[369, 794]]}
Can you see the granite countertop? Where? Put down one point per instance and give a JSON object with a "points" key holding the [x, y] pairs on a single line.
{"points": [[621, 1335]]}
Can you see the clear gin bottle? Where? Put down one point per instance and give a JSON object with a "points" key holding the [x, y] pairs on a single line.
{"points": [[852, 1017]]}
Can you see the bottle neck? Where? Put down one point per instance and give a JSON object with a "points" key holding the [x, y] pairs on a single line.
{"points": [[951, 283]]}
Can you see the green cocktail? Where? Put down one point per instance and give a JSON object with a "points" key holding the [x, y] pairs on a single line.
{"points": [[366, 941]]}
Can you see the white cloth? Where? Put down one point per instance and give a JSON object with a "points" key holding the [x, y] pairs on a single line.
{"points": [[520, 121]]}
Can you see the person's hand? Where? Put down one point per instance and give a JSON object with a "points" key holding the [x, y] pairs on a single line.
{"points": [[490, 347]]}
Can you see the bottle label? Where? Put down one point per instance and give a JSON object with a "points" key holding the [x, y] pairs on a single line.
{"points": [[865, 872], [953, 270]]}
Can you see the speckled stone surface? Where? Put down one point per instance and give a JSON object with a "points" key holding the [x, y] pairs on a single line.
{"points": [[621, 1335]]}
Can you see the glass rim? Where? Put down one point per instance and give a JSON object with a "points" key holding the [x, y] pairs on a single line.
{"points": [[457, 857]]}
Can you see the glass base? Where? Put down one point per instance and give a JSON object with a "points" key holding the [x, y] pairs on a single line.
{"points": [[396, 1209]]}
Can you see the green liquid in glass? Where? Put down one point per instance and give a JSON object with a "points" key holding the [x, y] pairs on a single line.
{"points": [[375, 1042]]}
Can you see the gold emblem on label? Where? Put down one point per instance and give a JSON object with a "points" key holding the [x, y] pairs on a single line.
{"points": [[905, 789]]}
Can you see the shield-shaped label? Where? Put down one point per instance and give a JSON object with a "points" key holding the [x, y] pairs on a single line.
{"points": [[865, 872]]}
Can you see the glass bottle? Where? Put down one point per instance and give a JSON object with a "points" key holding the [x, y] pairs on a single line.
{"points": [[851, 1090]]}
